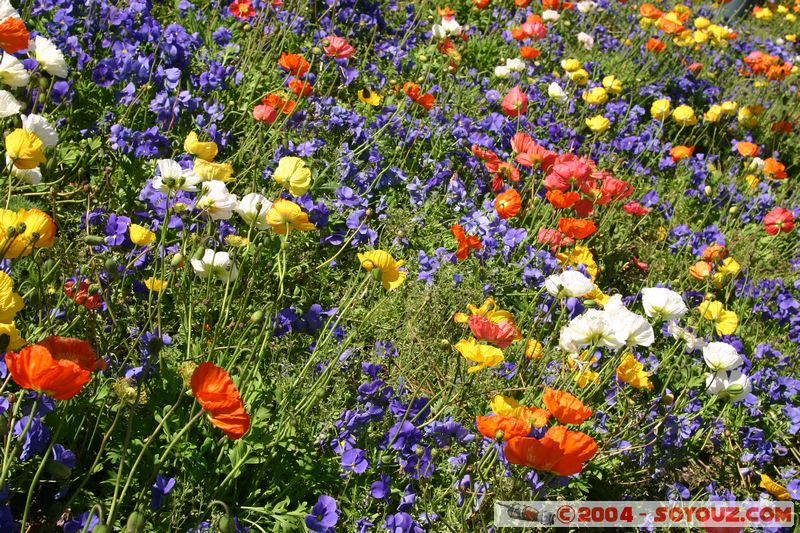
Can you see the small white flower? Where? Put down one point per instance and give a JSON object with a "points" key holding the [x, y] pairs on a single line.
{"points": [[502, 72], [12, 72], [173, 177], [550, 15], [215, 264], [49, 57], [663, 304], [216, 200], [9, 106], [253, 209], [568, 284], [693, 342], [587, 6], [586, 40], [555, 92], [721, 356], [451, 26], [438, 31], [756, 165], [732, 385], [39, 126], [516, 64]]}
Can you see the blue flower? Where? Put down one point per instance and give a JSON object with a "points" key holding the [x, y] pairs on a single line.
{"points": [[323, 516], [160, 488]]}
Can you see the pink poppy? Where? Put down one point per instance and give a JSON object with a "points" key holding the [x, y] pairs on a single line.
{"points": [[515, 103], [779, 220], [338, 47], [501, 335]]}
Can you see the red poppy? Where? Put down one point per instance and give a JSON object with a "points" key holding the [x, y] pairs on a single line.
{"points": [[583, 207], [294, 63], [565, 407], [635, 209], [465, 243], [501, 334], [779, 220], [505, 171], [218, 396], [508, 204], [78, 351], [242, 9], [81, 295], [515, 103], [35, 368], [615, 189], [576, 228], [481, 4], [412, 90], [13, 35], [562, 200], [489, 426], [561, 451]]}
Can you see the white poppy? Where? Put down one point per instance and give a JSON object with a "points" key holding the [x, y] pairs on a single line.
{"points": [[216, 200], [555, 92], [9, 106], [633, 328], [7, 10], [173, 177], [569, 283], [721, 356], [550, 15], [12, 72], [49, 57], [39, 126], [215, 264], [587, 6], [28, 175], [586, 40], [663, 304], [590, 328], [502, 72], [253, 209], [732, 385], [516, 64]]}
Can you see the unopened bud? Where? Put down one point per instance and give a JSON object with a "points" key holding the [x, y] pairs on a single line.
{"points": [[176, 260]]}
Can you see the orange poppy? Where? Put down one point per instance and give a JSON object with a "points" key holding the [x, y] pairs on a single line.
{"points": [[562, 200], [508, 204], [294, 63], [276, 102], [681, 152], [465, 243], [714, 252], [670, 27], [747, 149], [576, 228], [773, 169], [654, 45], [700, 270], [218, 396], [511, 427], [560, 451], [535, 416], [445, 12], [782, 126], [529, 52], [76, 350], [650, 11], [35, 368], [412, 90], [565, 407], [518, 34], [300, 88], [481, 4], [13, 35]]}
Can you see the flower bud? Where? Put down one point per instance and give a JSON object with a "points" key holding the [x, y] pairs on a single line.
{"points": [[176, 261], [136, 523], [256, 317], [94, 240]]}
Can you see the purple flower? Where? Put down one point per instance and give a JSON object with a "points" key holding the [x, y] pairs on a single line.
{"points": [[380, 489], [323, 516], [76, 525], [355, 460], [160, 488]]}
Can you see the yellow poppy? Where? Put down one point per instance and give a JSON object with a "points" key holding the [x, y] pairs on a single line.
{"points": [[155, 284], [293, 174], [483, 354], [632, 372], [10, 302], [534, 349], [204, 150], [390, 273], [505, 406], [684, 116], [208, 171], [141, 236], [579, 255], [10, 339], [370, 97], [778, 491], [725, 322], [24, 149], [285, 216]]}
